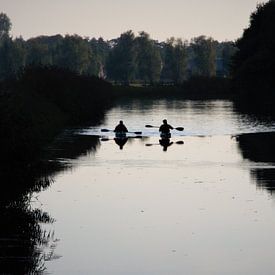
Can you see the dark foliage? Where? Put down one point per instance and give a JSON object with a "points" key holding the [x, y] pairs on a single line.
{"points": [[41, 102], [126, 59], [259, 147], [24, 243], [254, 62], [194, 88]]}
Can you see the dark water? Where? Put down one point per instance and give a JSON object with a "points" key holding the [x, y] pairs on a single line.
{"points": [[201, 204]]}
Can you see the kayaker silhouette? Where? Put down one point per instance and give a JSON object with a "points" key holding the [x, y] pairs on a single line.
{"points": [[164, 129], [121, 128]]}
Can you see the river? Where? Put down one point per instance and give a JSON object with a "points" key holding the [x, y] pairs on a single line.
{"points": [[202, 203]]}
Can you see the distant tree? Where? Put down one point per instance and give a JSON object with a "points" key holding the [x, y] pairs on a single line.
{"points": [[12, 56], [5, 25], [148, 59], [175, 61], [100, 49], [74, 53], [254, 63], [180, 56], [225, 52], [167, 73], [121, 65], [19, 54], [204, 50], [38, 53], [6, 69]]}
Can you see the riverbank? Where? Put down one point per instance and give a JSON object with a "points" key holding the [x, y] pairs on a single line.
{"points": [[43, 101], [193, 88]]}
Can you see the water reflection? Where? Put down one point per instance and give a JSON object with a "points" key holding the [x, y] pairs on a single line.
{"points": [[259, 148], [199, 117], [161, 201], [23, 242], [121, 142], [25, 245], [165, 143], [71, 146]]}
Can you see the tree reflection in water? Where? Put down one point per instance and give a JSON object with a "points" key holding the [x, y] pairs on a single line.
{"points": [[259, 147], [24, 245]]}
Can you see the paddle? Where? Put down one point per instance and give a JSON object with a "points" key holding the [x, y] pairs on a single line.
{"points": [[107, 130], [177, 128]]}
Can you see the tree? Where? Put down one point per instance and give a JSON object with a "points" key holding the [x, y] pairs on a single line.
{"points": [[74, 53], [38, 52], [148, 59], [204, 56], [12, 56], [121, 65], [5, 25], [100, 50], [254, 63], [225, 52], [180, 56], [167, 73], [175, 61]]}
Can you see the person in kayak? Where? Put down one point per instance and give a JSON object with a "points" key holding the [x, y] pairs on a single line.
{"points": [[165, 128], [121, 128]]}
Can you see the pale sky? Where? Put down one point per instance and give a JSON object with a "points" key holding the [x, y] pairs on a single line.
{"points": [[221, 19]]}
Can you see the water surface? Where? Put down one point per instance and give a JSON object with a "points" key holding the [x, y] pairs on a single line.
{"points": [[202, 207]]}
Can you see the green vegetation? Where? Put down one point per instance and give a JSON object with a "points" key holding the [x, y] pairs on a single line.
{"points": [[123, 60], [254, 63], [196, 87], [41, 102]]}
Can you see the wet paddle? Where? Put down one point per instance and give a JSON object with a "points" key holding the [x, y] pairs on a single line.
{"points": [[176, 128]]}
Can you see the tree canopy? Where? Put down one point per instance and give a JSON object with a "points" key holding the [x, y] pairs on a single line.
{"points": [[128, 58], [254, 63]]}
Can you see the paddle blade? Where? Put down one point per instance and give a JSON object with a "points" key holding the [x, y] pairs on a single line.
{"points": [[105, 130], [138, 133], [179, 128], [149, 126], [180, 142]]}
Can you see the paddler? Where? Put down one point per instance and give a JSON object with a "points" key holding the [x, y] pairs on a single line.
{"points": [[165, 128], [121, 128]]}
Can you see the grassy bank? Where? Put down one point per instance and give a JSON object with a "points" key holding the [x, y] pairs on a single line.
{"points": [[41, 102], [193, 88]]}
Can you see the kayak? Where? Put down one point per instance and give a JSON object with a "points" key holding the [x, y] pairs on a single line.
{"points": [[165, 135], [121, 135]]}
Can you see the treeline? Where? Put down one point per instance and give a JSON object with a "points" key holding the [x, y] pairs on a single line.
{"points": [[128, 58]]}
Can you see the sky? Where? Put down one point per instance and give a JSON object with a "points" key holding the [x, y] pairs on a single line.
{"points": [[220, 19]]}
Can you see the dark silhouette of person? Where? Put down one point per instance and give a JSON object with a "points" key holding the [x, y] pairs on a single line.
{"points": [[121, 128], [121, 142], [165, 127], [165, 143]]}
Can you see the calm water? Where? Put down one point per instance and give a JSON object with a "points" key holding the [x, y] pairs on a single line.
{"points": [[202, 207]]}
